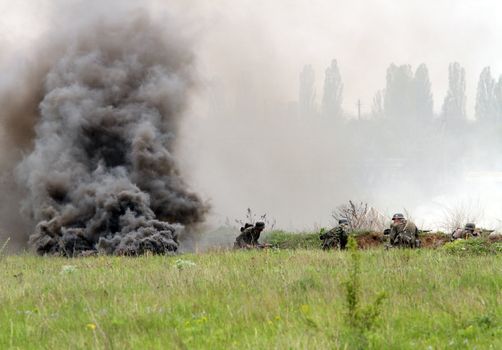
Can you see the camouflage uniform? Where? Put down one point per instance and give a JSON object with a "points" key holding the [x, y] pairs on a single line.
{"points": [[249, 236], [335, 238], [404, 234]]}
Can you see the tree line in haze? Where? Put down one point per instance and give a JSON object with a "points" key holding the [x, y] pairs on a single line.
{"points": [[407, 93]]}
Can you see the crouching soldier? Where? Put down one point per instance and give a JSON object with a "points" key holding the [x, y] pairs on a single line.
{"points": [[467, 232], [403, 233], [336, 237], [249, 236]]}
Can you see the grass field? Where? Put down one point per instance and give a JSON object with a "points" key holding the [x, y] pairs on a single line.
{"points": [[269, 299]]}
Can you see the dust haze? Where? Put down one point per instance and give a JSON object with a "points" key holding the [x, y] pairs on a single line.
{"points": [[244, 138]]}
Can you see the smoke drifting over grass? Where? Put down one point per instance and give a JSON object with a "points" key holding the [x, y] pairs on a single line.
{"points": [[100, 120]]}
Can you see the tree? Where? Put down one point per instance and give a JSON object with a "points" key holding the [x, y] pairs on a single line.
{"points": [[307, 91], [486, 108], [398, 91], [423, 101], [407, 96], [333, 90], [498, 98], [454, 102], [377, 109]]}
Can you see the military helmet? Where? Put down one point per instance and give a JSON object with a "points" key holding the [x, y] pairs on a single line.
{"points": [[470, 226], [343, 222], [397, 216], [259, 224], [246, 225]]}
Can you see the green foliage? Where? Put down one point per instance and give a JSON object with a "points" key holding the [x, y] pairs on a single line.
{"points": [[304, 240], [474, 246], [352, 285], [360, 318], [286, 240], [183, 264], [255, 299]]}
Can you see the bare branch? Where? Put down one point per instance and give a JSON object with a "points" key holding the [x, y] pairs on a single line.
{"points": [[361, 216]]}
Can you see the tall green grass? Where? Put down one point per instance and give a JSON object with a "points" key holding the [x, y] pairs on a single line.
{"points": [[287, 240], [279, 299]]}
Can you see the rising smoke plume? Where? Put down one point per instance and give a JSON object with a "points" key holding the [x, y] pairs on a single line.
{"points": [[245, 145], [101, 122]]}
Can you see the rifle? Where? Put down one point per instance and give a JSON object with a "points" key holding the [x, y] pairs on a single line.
{"points": [[264, 246], [484, 232], [258, 246], [424, 231]]}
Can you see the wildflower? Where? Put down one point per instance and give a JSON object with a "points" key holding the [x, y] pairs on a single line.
{"points": [[91, 326]]}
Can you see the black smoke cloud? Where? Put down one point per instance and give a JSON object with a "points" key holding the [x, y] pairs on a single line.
{"points": [[100, 121]]}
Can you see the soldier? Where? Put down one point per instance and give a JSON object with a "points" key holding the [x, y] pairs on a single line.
{"points": [[468, 232], [403, 233], [336, 237], [249, 236]]}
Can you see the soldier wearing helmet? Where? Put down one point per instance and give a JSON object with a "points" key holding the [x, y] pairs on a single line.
{"points": [[403, 233], [249, 235], [468, 231], [336, 237]]}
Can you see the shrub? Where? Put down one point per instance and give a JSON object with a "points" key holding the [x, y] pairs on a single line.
{"points": [[360, 318], [361, 216], [472, 246]]}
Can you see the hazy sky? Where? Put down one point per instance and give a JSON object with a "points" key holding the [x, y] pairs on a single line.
{"points": [[254, 51], [279, 37], [365, 36]]}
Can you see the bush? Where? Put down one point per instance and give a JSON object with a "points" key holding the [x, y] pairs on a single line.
{"points": [[473, 246], [361, 216], [360, 318]]}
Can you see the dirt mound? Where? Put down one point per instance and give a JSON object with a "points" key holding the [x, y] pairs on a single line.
{"points": [[433, 240], [495, 239], [428, 240], [370, 240]]}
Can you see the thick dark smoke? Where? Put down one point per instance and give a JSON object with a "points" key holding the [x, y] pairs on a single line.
{"points": [[101, 174]]}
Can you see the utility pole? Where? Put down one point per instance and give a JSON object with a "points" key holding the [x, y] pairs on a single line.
{"points": [[359, 109]]}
